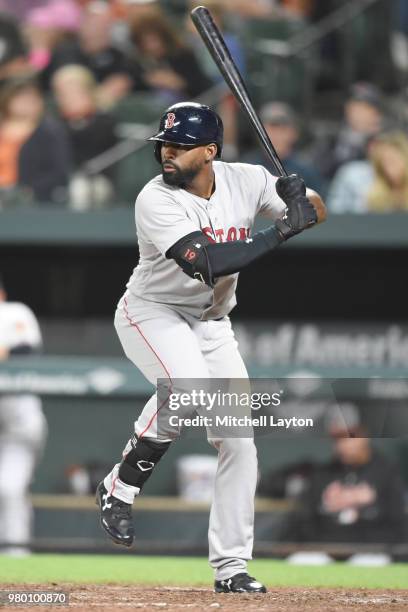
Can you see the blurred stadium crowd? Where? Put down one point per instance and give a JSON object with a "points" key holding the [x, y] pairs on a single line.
{"points": [[82, 83]]}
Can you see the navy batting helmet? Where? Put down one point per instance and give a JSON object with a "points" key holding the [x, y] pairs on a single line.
{"points": [[189, 123]]}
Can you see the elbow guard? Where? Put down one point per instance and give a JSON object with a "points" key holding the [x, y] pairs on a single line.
{"points": [[190, 253]]}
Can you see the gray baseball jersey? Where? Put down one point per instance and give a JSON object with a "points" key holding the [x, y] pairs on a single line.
{"points": [[18, 325], [164, 214], [165, 322]]}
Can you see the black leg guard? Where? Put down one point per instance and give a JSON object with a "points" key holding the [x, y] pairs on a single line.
{"points": [[140, 461]]}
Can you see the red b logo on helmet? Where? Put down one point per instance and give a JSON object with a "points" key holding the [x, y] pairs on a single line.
{"points": [[170, 119]]}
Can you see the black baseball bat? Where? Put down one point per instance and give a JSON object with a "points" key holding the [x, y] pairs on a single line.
{"points": [[221, 55]]}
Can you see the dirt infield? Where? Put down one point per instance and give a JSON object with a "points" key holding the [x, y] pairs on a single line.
{"points": [[85, 598]]}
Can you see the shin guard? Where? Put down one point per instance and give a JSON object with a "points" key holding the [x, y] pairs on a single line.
{"points": [[138, 464]]}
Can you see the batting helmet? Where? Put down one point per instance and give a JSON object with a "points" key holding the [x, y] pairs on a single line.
{"points": [[189, 123]]}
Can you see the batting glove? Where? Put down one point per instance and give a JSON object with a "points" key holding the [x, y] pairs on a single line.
{"points": [[300, 212]]}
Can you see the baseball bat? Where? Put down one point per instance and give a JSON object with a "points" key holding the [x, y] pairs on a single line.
{"points": [[221, 55]]}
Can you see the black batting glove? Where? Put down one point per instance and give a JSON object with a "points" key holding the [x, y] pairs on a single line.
{"points": [[300, 212]]}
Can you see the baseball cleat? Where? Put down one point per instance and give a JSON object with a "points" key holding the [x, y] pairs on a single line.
{"points": [[115, 517], [240, 583]]}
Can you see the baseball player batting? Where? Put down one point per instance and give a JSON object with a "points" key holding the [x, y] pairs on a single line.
{"points": [[194, 226]]}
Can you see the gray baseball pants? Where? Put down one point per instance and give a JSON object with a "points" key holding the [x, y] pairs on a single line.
{"points": [[163, 343]]}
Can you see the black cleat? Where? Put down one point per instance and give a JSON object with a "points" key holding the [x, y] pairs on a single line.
{"points": [[116, 516], [240, 583]]}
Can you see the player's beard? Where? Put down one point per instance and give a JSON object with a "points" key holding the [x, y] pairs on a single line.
{"points": [[180, 178]]}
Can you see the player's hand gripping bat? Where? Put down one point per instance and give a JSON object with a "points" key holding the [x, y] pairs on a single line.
{"points": [[219, 51]]}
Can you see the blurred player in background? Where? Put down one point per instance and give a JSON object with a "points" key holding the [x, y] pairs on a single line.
{"points": [[22, 430], [357, 497]]}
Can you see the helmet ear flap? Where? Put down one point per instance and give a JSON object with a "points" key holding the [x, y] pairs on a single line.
{"points": [[157, 151]]}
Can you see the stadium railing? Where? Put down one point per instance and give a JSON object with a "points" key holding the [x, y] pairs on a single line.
{"points": [[115, 227]]}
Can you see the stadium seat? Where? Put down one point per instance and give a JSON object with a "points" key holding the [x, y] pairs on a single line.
{"points": [[133, 172], [273, 77], [175, 8], [137, 116], [271, 29], [139, 108]]}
